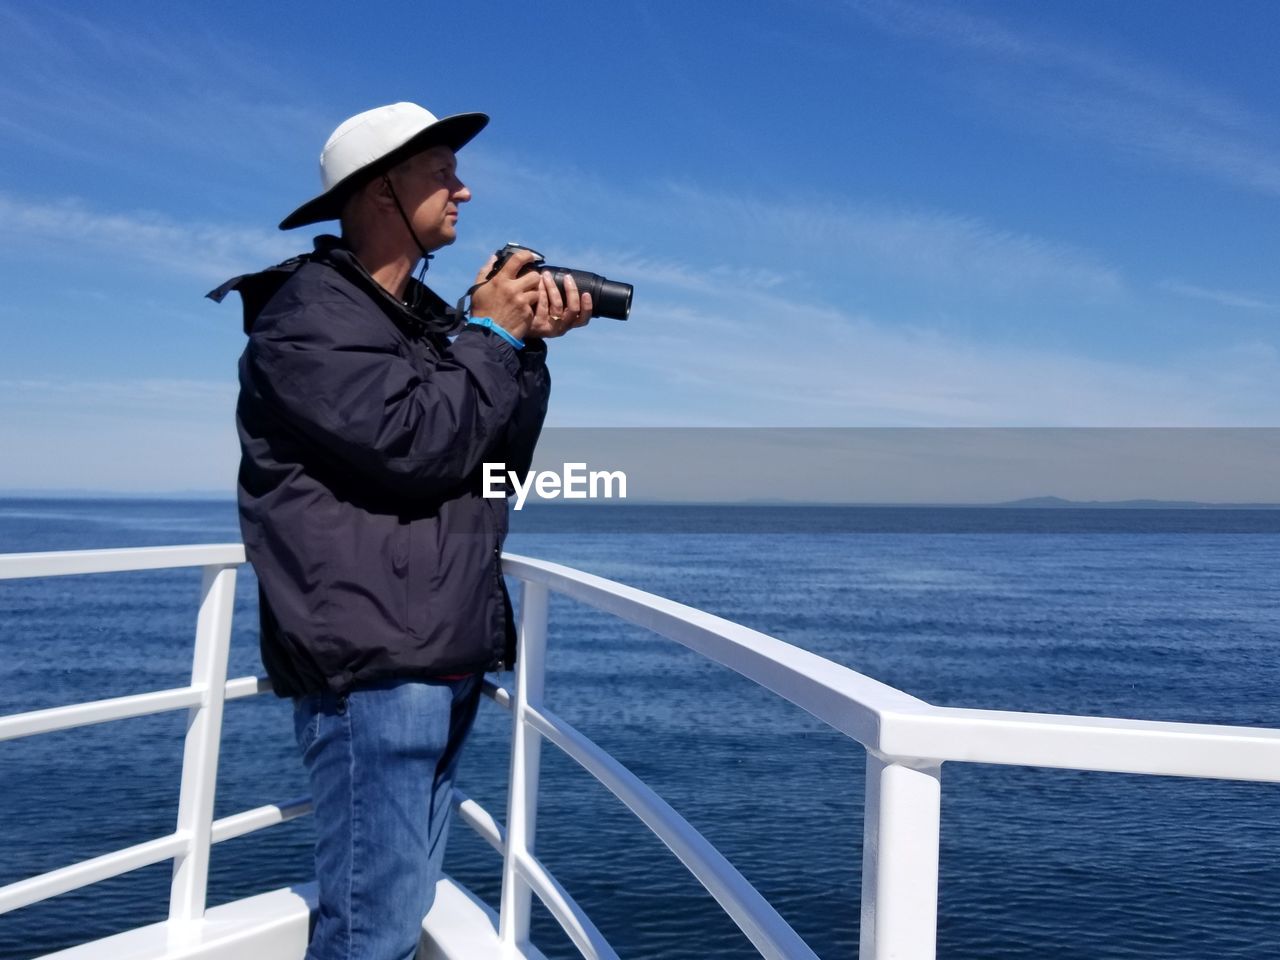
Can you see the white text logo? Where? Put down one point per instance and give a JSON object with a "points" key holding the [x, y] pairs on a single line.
{"points": [[575, 482]]}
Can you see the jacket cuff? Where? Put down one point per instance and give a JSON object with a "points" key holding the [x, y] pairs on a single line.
{"points": [[505, 352], [534, 354]]}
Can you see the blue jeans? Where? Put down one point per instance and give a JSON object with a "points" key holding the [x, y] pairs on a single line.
{"points": [[381, 762]]}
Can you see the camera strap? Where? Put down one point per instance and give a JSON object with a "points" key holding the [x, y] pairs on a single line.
{"points": [[463, 309]]}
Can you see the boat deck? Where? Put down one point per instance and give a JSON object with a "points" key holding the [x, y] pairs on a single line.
{"points": [[276, 926]]}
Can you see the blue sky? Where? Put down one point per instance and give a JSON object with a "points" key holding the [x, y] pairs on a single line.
{"points": [[868, 213]]}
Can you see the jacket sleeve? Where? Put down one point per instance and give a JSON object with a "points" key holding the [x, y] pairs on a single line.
{"points": [[364, 404], [525, 425]]}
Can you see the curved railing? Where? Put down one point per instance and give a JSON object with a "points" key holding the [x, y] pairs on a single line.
{"points": [[906, 739]]}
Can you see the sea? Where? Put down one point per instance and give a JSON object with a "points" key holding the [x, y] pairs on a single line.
{"points": [[1151, 614]]}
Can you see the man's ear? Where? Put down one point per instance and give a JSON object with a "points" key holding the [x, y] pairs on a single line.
{"points": [[381, 192], [360, 203], [371, 194]]}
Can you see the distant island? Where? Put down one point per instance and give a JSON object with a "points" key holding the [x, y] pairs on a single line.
{"points": [[1026, 503], [1043, 503]]}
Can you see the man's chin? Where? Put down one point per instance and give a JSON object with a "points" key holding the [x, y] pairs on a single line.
{"points": [[440, 240]]}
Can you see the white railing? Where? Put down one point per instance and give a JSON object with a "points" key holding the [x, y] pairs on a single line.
{"points": [[906, 740], [203, 698]]}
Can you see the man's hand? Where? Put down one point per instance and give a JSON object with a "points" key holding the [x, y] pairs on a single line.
{"points": [[556, 315], [509, 299]]}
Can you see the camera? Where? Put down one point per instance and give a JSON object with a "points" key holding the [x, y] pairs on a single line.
{"points": [[609, 298]]}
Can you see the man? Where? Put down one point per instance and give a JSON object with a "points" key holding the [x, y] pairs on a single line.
{"points": [[363, 431]]}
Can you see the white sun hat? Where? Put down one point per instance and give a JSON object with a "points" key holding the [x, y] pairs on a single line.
{"points": [[374, 141]]}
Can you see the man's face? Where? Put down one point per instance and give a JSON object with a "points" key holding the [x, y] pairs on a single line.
{"points": [[430, 190]]}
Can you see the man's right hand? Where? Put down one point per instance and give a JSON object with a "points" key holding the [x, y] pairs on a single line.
{"points": [[509, 299]]}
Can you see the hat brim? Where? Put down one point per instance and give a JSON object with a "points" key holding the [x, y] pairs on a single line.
{"points": [[453, 132]]}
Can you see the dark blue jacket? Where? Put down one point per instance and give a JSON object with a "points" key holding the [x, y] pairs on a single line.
{"points": [[363, 431]]}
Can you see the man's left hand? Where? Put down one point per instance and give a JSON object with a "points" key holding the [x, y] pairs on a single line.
{"points": [[555, 315]]}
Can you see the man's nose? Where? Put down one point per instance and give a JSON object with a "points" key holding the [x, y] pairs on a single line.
{"points": [[462, 194]]}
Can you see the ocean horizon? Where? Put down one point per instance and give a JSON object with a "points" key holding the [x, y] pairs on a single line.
{"points": [[1044, 501]]}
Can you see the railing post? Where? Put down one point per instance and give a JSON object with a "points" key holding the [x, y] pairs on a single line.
{"points": [[526, 744], [200, 753], [900, 860]]}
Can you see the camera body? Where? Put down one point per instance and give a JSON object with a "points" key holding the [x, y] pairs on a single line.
{"points": [[609, 298]]}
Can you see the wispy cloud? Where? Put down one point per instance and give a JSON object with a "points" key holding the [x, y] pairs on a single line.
{"points": [[1225, 298], [764, 243], [937, 246], [770, 361], [955, 26], [746, 320], [1137, 108], [714, 278], [119, 92], [207, 251], [756, 245]]}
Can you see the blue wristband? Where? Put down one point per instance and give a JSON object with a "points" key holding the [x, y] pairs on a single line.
{"points": [[488, 324]]}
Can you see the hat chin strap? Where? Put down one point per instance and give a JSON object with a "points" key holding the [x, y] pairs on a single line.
{"points": [[426, 255], [415, 293]]}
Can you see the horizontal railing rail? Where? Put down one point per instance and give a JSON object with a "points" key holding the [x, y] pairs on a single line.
{"points": [[65, 563], [259, 818], [1108, 745], [848, 701], [23, 893], [53, 883], [895, 724], [52, 719]]}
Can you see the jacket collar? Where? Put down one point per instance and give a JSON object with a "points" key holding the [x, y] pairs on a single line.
{"points": [[422, 311]]}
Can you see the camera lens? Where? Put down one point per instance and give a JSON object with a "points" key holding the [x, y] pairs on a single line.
{"points": [[609, 298]]}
